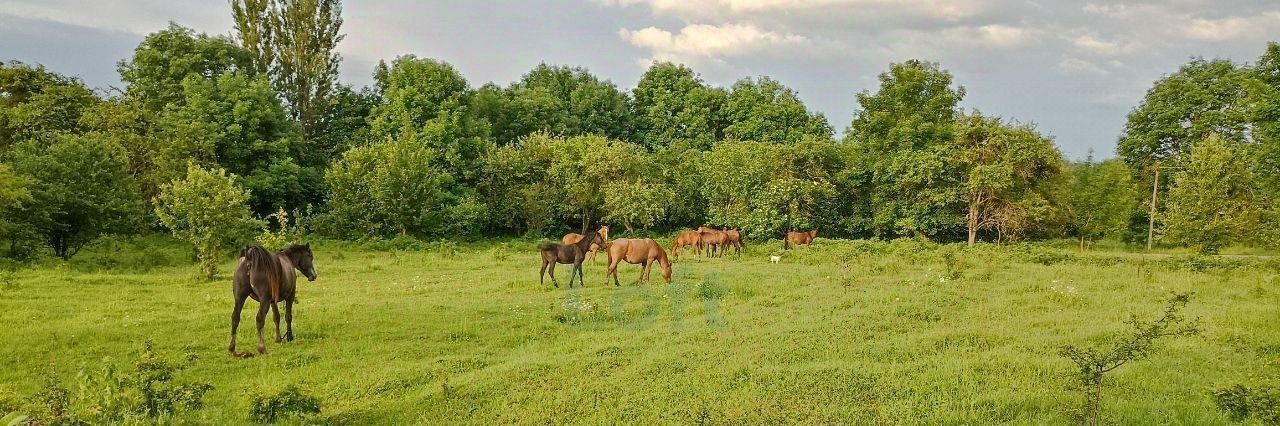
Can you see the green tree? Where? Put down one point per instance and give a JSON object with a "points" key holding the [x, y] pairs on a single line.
{"points": [[558, 100], [1202, 98], [766, 189], [638, 203], [1211, 203], [163, 61], [236, 122], [389, 188], [15, 198], [903, 134], [672, 103], [34, 100], [293, 41], [1008, 174], [80, 188], [208, 210], [425, 100], [765, 110], [1101, 196]]}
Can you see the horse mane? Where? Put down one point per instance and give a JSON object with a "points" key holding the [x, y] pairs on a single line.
{"points": [[258, 258]]}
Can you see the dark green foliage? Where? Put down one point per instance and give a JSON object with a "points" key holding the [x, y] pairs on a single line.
{"points": [[163, 61], [288, 402], [672, 103], [558, 100], [80, 189], [903, 135], [1241, 403], [35, 101], [764, 110]]}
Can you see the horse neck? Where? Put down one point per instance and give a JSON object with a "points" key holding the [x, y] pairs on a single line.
{"points": [[585, 242]]}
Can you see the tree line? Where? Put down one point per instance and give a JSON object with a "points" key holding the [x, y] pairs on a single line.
{"points": [[210, 134]]}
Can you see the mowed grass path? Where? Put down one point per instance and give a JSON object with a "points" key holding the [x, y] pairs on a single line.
{"points": [[420, 337]]}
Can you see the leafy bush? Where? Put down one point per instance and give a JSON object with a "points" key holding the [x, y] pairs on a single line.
{"points": [[289, 402], [208, 210], [110, 396], [1242, 402], [1093, 363]]}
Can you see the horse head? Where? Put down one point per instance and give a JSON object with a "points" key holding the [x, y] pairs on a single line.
{"points": [[303, 259]]}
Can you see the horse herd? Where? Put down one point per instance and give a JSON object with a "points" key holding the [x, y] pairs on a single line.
{"points": [[575, 248], [269, 278]]}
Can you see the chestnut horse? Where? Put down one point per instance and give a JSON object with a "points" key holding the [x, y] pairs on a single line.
{"points": [[575, 253], [269, 278], [686, 239], [711, 239], [571, 238], [644, 252], [799, 238], [733, 238]]}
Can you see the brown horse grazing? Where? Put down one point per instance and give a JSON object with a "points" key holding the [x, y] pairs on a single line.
{"points": [[575, 253], [269, 278], [686, 239], [799, 238], [571, 238], [733, 238], [711, 239], [644, 252]]}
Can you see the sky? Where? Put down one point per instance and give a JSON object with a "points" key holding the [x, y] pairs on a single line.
{"points": [[1073, 68]]}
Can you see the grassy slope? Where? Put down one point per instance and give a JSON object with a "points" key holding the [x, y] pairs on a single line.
{"points": [[413, 337]]}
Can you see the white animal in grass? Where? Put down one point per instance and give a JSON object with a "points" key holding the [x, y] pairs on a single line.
{"points": [[775, 258]]}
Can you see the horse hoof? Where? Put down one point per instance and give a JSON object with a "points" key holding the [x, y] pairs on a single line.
{"points": [[288, 337]]}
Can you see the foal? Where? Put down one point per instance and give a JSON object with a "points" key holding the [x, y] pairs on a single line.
{"points": [[553, 253]]}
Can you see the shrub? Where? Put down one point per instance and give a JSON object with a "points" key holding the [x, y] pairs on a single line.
{"points": [[110, 396], [1093, 363], [1242, 402], [207, 210], [289, 402]]}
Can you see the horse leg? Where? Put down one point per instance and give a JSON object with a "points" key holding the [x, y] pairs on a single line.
{"points": [[644, 271], [263, 308], [542, 277], [288, 320], [275, 312], [551, 270], [235, 319], [613, 271]]}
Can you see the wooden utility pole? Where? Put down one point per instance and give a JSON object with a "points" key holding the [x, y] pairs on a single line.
{"points": [[1151, 217]]}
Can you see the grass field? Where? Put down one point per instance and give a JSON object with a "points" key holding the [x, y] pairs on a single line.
{"points": [[900, 333]]}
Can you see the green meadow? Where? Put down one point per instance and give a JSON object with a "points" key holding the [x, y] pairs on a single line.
{"points": [[843, 332]]}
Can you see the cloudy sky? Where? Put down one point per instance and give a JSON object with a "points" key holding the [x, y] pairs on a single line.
{"points": [[1072, 67]]}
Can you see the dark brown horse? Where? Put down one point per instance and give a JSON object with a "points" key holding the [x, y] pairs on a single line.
{"points": [[799, 238], [686, 239], [711, 240], [553, 253], [269, 278], [644, 252], [733, 238], [571, 238]]}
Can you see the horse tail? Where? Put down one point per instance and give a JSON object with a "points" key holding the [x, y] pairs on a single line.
{"points": [[546, 245], [258, 258], [786, 242]]}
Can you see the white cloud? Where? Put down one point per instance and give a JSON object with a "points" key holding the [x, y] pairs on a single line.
{"points": [[709, 40], [1234, 28], [993, 35], [1074, 65], [1097, 46], [693, 10]]}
